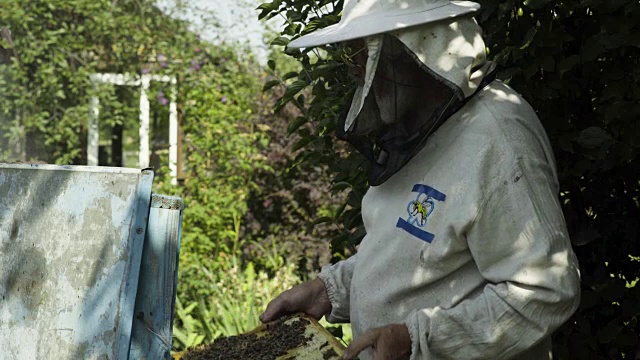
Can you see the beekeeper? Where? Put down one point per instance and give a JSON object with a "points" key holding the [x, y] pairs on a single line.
{"points": [[467, 254]]}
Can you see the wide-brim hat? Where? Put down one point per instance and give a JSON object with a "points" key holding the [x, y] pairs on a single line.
{"points": [[362, 18]]}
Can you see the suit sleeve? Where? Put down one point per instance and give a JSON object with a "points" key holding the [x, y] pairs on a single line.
{"points": [[337, 279], [520, 244]]}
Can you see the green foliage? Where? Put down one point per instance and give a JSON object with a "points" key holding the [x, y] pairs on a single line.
{"points": [[222, 142], [322, 78], [53, 49], [577, 63], [291, 195], [245, 225], [188, 332], [237, 297]]}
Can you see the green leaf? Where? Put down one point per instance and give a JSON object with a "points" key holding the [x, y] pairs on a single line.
{"points": [[340, 186], [292, 51], [593, 137], [528, 37], [295, 124], [267, 6], [567, 63], [290, 75], [336, 331], [269, 84], [265, 14], [295, 88], [294, 16], [190, 307], [271, 64], [320, 220], [300, 144], [280, 40]]}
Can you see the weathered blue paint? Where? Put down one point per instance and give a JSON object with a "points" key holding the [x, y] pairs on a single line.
{"points": [[138, 234], [155, 303], [71, 247]]}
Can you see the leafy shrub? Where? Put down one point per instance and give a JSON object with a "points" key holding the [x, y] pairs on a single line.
{"points": [[237, 297], [47, 62], [290, 195], [222, 142], [319, 90]]}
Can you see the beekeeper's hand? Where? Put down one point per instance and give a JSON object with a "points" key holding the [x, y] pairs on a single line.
{"points": [[310, 297], [391, 342]]}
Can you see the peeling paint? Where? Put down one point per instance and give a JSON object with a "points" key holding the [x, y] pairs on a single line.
{"points": [[69, 260], [155, 302]]}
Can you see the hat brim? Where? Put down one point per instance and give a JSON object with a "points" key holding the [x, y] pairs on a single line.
{"points": [[372, 25]]}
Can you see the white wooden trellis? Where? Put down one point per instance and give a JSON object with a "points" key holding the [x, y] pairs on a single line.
{"points": [[144, 82]]}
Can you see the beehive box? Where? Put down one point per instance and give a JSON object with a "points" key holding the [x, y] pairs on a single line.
{"points": [[88, 263], [298, 337]]}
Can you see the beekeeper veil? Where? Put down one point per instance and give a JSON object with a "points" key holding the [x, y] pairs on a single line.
{"points": [[424, 61]]}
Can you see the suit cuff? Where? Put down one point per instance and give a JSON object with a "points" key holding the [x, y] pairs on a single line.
{"points": [[338, 296], [418, 325]]}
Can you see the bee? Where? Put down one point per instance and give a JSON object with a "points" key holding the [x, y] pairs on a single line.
{"points": [[421, 209]]}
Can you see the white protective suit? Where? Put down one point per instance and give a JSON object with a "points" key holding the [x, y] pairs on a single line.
{"points": [[466, 244]]}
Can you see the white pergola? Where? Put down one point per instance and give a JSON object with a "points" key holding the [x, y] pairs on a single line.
{"points": [[144, 82]]}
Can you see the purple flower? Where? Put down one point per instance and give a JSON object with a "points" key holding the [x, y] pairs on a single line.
{"points": [[163, 64], [162, 58], [224, 99], [197, 50], [162, 99], [195, 65], [145, 70]]}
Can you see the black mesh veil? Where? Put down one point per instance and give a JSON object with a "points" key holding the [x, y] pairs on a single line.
{"points": [[390, 146]]}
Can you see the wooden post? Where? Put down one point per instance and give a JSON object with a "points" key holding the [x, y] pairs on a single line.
{"points": [[93, 133], [173, 134], [144, 122], [181, 175]]}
